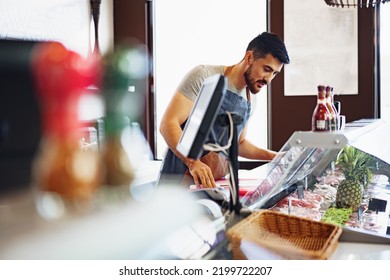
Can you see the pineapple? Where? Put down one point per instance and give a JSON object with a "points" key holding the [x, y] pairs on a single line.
{"points": [[353, 164]]}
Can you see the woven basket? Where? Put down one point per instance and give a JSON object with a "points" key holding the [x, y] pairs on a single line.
{"points": [[291, 237]]}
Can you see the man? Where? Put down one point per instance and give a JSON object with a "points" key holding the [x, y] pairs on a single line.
{"points": [[264, 58]]}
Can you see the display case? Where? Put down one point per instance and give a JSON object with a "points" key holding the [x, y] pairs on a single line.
{"points": [[304, 178]]}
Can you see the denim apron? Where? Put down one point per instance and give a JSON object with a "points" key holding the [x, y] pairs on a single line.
{"points": [[173, 169]]}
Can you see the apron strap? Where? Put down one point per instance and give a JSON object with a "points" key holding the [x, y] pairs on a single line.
{"points": [[248, 95]]}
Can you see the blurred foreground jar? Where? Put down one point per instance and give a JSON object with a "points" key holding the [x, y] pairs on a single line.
{"points": [[124, 72], [64, 173], [116, 161]]}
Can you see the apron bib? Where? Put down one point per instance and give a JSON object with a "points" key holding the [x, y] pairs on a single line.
{"points": [[174, 171]]}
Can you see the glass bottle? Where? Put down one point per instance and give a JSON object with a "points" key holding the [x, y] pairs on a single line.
{"points": [[64, 174], [321, 115], [334, 108], [331, 109]]}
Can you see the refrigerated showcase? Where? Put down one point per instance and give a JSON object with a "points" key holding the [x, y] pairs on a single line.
{"points": [[309, 158]]}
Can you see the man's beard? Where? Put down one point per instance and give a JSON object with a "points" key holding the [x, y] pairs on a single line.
{"points": [[250, 83]]}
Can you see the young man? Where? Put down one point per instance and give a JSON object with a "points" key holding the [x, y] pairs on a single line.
{"points": [[264, 58]]}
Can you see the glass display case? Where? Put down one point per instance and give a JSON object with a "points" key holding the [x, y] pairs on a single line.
{"points": [[304, 178]]}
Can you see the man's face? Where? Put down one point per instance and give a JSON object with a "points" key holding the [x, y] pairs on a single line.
{"points": [[261, 72]]}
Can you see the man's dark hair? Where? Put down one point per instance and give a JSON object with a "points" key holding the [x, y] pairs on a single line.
{"points": [[268, 43]]}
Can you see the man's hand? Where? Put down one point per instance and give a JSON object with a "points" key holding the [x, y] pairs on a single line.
{"points": [[201, 173]]}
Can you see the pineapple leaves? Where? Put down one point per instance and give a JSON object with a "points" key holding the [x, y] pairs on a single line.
{"points": [[353, 161]]}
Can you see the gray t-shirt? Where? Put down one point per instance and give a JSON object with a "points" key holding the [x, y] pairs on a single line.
{"points": [[193, 80]]}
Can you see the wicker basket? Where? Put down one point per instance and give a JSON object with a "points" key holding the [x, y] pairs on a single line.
{"points": [[291, 237]]}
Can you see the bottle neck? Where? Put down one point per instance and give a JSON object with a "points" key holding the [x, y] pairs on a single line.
{"points": [[321, 98]]}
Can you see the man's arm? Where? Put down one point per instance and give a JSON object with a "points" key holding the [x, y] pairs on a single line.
{"points": [[248, 150], [176, 113]]}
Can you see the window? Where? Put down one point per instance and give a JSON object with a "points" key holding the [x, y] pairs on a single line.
{"points": [[65, 21], [385, 62], [192, 32]]}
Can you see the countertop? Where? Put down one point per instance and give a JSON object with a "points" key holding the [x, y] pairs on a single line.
{"points": [[133, 229]]}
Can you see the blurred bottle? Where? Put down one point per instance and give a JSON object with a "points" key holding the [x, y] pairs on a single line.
{"points": [[321, 116], [337, 111], [340, 120], [63, 172], [331, 108], [123, 70]]}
